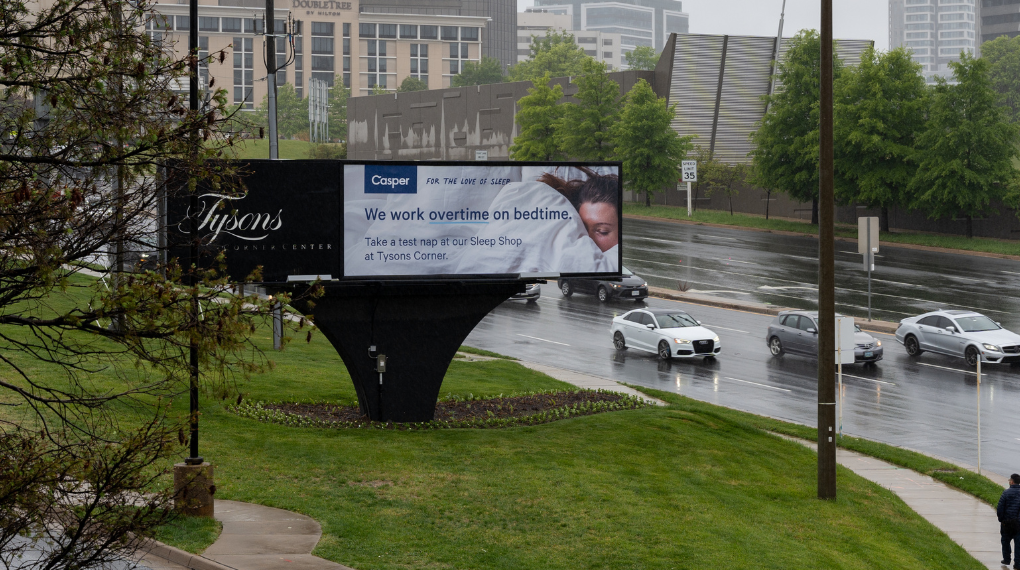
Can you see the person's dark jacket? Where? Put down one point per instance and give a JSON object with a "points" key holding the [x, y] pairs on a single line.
{"points": [[1009, 504]]}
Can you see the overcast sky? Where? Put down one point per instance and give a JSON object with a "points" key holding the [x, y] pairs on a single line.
{"points": [[852, 19]]}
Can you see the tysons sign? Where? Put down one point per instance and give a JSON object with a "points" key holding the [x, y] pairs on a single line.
{"points": [[288, 221], [220, 213]]}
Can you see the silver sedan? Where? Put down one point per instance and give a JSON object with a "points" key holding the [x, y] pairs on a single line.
{"points": [[961, 334]]}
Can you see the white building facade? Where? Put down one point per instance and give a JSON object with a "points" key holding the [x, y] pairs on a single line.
{"points": [[536, 22], [935, 31]]}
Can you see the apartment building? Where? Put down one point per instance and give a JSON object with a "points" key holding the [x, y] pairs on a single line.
{"points": [[536, 22]]}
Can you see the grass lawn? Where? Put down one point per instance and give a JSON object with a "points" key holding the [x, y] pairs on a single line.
{"points": [[985, 245], [259, 148], [680, 487], [686, 486]]}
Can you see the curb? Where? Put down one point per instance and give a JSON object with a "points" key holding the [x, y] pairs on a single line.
{"points": [[885, 327], [178, 556]]}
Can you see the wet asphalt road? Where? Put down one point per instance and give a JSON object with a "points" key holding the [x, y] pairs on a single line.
{"points": [[929, 404], [783, 270]]}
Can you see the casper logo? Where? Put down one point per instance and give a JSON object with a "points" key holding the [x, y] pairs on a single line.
{"points": [[386, 179]]}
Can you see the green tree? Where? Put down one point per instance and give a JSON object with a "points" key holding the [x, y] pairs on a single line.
{"points": [[585, 130], [488, 70], [88, 366], [785, 154], [291, 112], [641, 57], [378, 89], [879, 110], [725, 178], [556, 54], [1003, 55], [966, 151], [537, 115], [338, 95], [650, 149], [411, 83]]}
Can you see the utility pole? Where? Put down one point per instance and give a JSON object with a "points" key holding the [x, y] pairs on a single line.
{"points": [[826, 274], [270, 29]]}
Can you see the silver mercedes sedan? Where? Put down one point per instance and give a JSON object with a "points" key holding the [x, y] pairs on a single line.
{"points": [[962, 334]]}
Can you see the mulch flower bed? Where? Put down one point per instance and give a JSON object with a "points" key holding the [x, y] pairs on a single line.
{"points": [[471, 412]]}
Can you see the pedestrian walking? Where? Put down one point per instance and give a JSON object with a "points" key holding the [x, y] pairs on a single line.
{"points": [[1008, 512]]}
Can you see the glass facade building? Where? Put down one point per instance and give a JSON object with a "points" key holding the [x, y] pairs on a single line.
{"points": [[639, 22]]}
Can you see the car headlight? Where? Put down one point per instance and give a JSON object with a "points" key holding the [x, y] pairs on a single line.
{"points": [[991, 347], [716, 339], [644, 284], [616, 286], [878, 343], [681, 341]]}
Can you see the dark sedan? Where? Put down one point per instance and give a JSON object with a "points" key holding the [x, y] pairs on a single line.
{"points": [[630, 287]]}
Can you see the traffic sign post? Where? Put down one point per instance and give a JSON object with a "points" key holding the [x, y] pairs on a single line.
{"points": [[867, 245], [689, 173], [845, 347]]}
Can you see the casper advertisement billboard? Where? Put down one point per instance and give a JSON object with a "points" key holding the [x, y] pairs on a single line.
{"points": [[481, 219], [286, 219]]}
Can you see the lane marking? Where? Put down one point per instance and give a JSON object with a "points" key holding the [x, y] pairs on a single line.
{"points": [[542, 339], [726, 329], [947, 368], [719, 291], [757, 384], [845, 375], [737, 261], [1010, 272]]}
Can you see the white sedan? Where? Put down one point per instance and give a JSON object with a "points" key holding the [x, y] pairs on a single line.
{"points": [[666, 332]]}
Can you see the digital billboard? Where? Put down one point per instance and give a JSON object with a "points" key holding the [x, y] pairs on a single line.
{"points": [[480, 219], [286, 219]]}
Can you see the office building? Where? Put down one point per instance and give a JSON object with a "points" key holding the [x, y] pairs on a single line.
{"points": [[536, 22], [999, 18], [330, 38], [936, 31], [639, 22], [499, 40]]}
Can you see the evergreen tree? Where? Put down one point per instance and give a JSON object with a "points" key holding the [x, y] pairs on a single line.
{"points": [[879, 109], [650, 149], [966, 151], [488, 70], [584, 132], [556, 54], [786, 142], [642, 57], [537, 115]]}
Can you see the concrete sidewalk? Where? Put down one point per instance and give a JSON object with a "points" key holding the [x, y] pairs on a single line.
{"points": [[967, 520], [253, 538]]}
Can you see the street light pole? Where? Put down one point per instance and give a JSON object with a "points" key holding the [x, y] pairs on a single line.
{"points": [[194, 458], [826, 273]]}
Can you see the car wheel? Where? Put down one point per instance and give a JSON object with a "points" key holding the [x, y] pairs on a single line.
{"points": [[619, 342], [913, 349], [664, 353], [971, 355], [603, 294], [776, 346], [566, 288]]}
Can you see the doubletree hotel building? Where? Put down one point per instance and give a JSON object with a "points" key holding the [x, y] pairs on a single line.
{"points": [[332, 39]]}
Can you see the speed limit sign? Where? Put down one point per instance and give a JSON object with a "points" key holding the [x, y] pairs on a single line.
{"points": [[689, 171]]}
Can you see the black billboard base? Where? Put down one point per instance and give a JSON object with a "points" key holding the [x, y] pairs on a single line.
{"points": [[418, 327]]}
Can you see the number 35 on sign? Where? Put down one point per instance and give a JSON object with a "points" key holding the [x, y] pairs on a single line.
{"points": [[689, 171]]}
